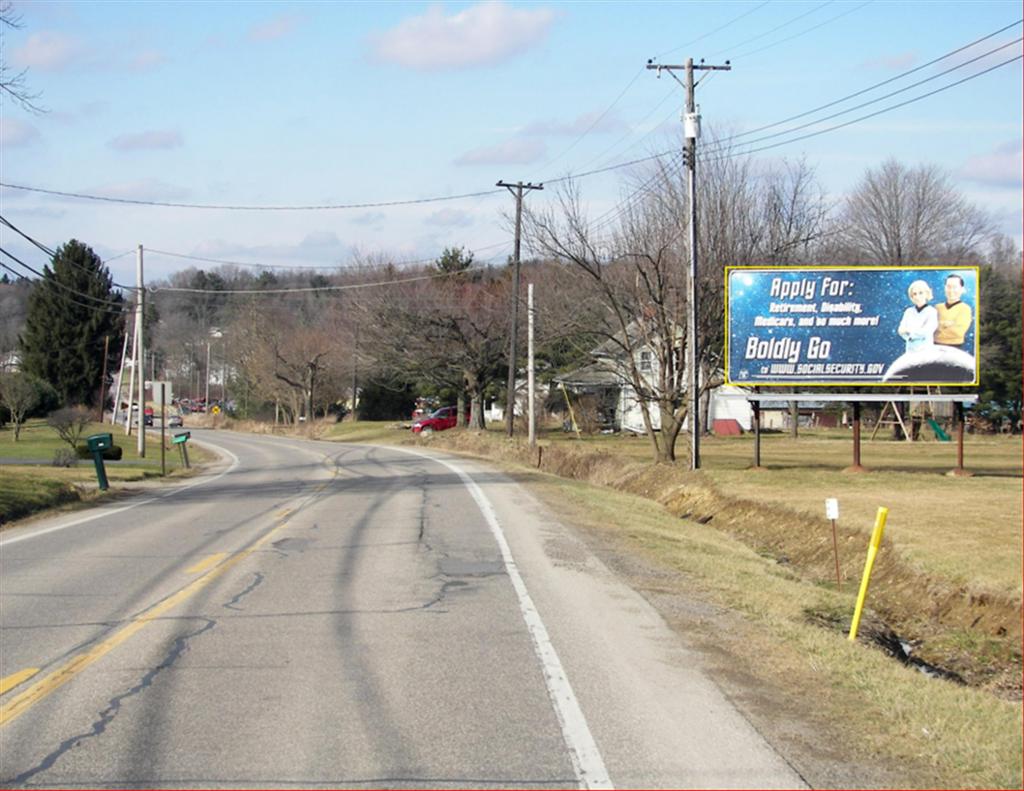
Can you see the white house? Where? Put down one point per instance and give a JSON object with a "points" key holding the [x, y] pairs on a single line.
{"points": [[608, 385]]}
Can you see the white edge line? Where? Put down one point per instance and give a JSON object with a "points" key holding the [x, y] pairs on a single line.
{"points": [[110, 512], [583, 752]]}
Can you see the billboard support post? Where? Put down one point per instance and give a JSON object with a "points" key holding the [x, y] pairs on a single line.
{"points": [[959, 470], [856, 467]]}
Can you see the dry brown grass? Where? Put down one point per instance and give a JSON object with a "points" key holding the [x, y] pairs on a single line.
{"points": [[967, 622]]}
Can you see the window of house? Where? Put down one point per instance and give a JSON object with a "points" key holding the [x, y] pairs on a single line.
{"points": [[645, 361]]}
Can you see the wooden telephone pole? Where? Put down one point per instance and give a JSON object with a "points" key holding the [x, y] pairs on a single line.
{"points": [[517, 190], [691, 129]]}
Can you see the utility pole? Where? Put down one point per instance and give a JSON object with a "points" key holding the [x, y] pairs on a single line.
{"points": [[691, 130], [120, 375], [141, 359], [206, 395], [103, 376], [517, 190], [530, 384]]}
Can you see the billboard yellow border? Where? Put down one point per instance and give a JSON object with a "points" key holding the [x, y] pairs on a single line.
{"points": [[836, 268]]}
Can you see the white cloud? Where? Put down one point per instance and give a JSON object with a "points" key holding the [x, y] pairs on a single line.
{"points": [[47, 51], [582, 124], [453, 218], [482, 34], [371, 218], [17, 134], [898, 62], [512, 152], [321, 240], [999, 168], [317, 248], [147, 141], [273, 29], [147, 60]]}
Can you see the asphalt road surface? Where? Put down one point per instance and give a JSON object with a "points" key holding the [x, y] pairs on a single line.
{"points": [[313, 614]]}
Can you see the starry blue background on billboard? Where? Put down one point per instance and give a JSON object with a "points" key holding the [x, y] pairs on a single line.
{"points": [[834, 326]]}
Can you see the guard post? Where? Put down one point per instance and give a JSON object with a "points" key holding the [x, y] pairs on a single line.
{"points": [[98, 443], [181, 440]]}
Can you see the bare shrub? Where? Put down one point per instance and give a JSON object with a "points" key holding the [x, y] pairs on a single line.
{"points": [[64, 458], [70, 423]]}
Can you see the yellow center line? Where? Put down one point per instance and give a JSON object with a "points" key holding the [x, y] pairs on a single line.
{"points": [[206, 563], [22, 702], [9, 683]]}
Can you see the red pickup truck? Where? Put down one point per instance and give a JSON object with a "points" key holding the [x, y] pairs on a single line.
{"points": [[438, 420]]}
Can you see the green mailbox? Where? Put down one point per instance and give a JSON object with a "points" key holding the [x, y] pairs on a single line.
{"points": [[181, 440], [98, 443]]}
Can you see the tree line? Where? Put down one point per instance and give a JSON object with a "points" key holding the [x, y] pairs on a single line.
{"points": [[372, 335]]}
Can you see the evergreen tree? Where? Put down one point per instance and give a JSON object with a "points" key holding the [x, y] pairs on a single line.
{"points": [[1000, 397], [70, 311]]}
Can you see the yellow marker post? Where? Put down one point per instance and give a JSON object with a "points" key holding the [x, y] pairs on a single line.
{"points": [[876, 540]]}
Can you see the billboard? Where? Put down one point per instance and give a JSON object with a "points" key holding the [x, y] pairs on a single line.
{"points": [[887, 326]]}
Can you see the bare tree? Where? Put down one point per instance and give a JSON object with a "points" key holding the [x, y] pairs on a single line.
{"points": [[20, 394], [13, 83], [637, 275], [902, 216], [776, 215], [451, 331], [287, 355], [70, 423]]}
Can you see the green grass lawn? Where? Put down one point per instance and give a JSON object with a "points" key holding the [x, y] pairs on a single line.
{"points": [[31, 487]]}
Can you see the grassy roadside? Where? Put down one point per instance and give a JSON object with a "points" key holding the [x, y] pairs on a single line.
{"points": [[755, 587], [30, 488]]}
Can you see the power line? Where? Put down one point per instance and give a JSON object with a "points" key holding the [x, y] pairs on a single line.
{"points": [[878, 84], [298, 268], [119, 307], [802, 32], [53, 253], [787, 23], [315, 289], [877, 112], [885, 96], [231, 207], [711, 33]]}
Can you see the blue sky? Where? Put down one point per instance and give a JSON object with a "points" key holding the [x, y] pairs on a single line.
{"points": [[301, 104]]}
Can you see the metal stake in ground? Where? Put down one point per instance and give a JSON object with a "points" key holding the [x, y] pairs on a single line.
{"points": [[832, 514]]}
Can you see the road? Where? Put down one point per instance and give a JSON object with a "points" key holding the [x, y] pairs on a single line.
{"points": [[314, 614]]}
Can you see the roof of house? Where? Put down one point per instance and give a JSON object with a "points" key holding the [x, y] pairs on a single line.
{"points": [[598, 374]]}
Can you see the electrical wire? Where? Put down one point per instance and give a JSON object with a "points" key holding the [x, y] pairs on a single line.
{"points": [[298, 268], [711, 33], [802, 32], [877, 112], [120, 308], [231, 207], [787, 23], [315, 289], [878, 84], [883, 97], [53, 253]]}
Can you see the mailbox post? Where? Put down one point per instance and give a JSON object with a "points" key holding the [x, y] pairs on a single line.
{"points": [[181, 440], [97, 444]]}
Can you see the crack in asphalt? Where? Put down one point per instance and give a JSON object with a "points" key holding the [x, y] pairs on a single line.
{"points": [[107, 716], [257, 581]]}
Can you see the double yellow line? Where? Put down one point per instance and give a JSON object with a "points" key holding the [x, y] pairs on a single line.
{"points": [[22, 702]]}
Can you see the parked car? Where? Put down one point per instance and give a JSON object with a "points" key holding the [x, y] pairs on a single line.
{"points": [[147, 416], [438, 420], [175, 421]]}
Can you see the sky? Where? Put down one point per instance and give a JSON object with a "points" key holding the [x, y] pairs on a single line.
{"points": [[426, 106]]}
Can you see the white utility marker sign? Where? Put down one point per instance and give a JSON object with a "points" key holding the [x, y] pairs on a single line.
{"points": [[831, 508]]}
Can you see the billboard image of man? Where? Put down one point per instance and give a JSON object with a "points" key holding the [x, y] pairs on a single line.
{"points": [[954, 315]]}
